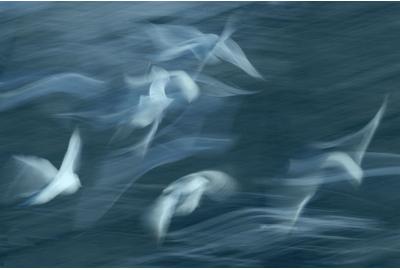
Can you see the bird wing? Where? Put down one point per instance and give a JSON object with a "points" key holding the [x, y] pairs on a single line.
{"points": [[216, 88], [38, 165], [143, 146], [343, 160], [177, 51], [51, 191], [157, 89], [229, 29], [32, 175], [137, 81], [71, 158], [145, 113], [161, 214], [300, 208], [186, 84], [230, 51], [358, 141], [190, 203]]}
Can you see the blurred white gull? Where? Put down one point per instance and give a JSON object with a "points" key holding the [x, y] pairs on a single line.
{"points": [[188, 85], [183, 196], [161, 77], [151, 108], [64, 181], [345, 154], [207, 48]]}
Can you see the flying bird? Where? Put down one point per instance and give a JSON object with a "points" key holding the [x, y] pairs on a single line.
{"points": [[358, 142], [183, 196], [151, 108], [207, 48], [177, 78], [63, 181], [343, 155]]}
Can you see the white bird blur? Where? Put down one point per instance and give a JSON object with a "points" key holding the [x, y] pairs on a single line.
{"points": [[188, 86], [300, 208], [358, 142], [64, 181], [345, 154], [151, 108], [207, 48], [183, 196], [161, 78]]}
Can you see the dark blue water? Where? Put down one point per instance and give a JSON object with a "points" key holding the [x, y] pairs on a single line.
{"points": [[327, 68]]}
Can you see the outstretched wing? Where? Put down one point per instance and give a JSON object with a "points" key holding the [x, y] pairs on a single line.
{"points": [[65, 183], [358, 142], [177, 51], [230, 51], [33, 174], [161, 214], [38, 166], [216, 88], [300, 208], [71, 158], [137, 81]]}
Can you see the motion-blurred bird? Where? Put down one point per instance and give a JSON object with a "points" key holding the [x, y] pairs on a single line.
{"points": [[64, 181], [207, 48], [188, 85], [342, 155], [151, 108], [183, 196], [161, 77], [345, 153]]}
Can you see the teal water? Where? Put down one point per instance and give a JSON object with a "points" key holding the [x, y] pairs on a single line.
{"points": [[327, 68]]}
